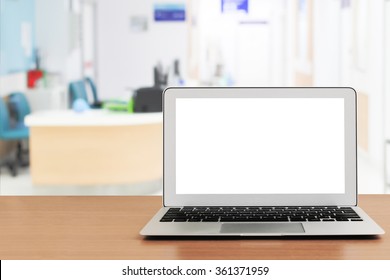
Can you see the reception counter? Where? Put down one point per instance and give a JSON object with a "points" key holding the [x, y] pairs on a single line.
{"points": [[96, 147]]}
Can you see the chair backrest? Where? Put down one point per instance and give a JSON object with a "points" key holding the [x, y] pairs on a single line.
{"points": [[4, 116], [93, 88], [77, 91], [20, 105]]}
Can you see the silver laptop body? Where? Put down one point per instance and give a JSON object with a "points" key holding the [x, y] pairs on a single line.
{"points": [[280, 152]]}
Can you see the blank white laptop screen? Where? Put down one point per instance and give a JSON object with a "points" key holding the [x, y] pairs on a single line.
{"points": [[260, 146]]}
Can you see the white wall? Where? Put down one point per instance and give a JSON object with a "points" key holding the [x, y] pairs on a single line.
{"points": [[346, 56], [249, 45], [279, 17], [387, 86], [51, 34], [387, 67], [370, 79], [125, 58], [290, 8], [326, 43], [57, 38], [13, 82]]}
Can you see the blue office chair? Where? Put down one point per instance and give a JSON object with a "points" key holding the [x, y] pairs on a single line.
{"points": [[19, 107], [96, 102], [11, 134], [78, 90], [93, 88]]}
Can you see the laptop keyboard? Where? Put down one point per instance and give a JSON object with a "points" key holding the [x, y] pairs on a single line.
{"points": [[261, 214]]}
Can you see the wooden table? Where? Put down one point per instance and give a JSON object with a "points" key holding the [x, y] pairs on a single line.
{"points": [[96, 147], [107, 228]]}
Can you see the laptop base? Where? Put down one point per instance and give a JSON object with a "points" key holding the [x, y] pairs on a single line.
{"points": [[365, 227]]}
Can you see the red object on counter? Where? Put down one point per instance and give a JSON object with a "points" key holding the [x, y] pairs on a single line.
{"points": [[33, 76]]}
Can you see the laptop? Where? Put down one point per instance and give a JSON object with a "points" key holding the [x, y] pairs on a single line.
{"points": [[260, 162]]}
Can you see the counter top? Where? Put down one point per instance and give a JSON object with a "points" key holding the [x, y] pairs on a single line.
{"points": [[94, 117]]}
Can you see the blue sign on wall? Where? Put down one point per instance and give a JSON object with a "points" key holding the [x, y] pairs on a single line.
{"points": [[169, 12], [228, 6]]}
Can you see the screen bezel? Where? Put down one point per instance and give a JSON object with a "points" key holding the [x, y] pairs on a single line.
{"points": [[172, 199]]}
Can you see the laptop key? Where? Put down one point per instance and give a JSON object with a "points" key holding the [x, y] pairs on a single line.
{"points": [[228, 220], [241, 219], [281, 219], [180, 220], [342, 219], [173, 210], [194, 220], [174, 216], [254, 219], [297, 219], [210, 220], [356, 220]]}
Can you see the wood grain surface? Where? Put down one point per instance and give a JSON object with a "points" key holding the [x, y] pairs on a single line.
{"points": [[107, 227]]}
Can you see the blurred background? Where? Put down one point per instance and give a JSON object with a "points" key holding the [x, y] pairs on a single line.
{"points": [[60, 59]]}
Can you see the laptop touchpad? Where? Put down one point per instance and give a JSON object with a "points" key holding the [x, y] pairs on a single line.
{"points": [[253, 228]]}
